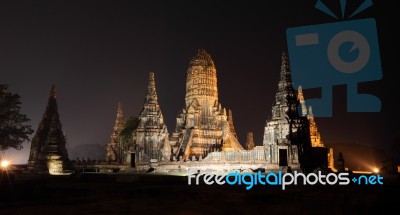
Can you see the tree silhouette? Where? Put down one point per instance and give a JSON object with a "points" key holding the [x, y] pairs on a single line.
{"points": [[13, 128], [131, 123]]}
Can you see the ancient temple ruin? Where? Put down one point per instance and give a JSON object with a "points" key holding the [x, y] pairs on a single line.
{"points": [[249, 141], [231, 126], [205, 137], [202, 126], [315, 136], [316, 140], [286, 136], [150, 138], [114, 151], [48, 152]]}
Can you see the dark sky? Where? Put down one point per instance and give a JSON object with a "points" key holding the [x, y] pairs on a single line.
{"points": [[100, 52]]}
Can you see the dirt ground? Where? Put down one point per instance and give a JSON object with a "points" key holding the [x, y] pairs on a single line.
{"points": [[151, 194]]}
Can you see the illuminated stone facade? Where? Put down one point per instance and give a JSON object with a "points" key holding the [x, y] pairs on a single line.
{"points": [[114, 153], [285, 133], [150, 139], [48, 153], [205, 137], [231, 126], [315, 136], [202, 126], [249, 141]]}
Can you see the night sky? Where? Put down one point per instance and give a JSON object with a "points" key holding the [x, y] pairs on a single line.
{"points": [[99, 53]]}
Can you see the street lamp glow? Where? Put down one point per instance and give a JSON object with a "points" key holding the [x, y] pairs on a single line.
{"points": [[4, 163]]}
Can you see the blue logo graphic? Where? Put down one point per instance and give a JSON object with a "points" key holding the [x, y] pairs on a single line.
{"points": [[282, 179], [339, 53], [368, 180]]}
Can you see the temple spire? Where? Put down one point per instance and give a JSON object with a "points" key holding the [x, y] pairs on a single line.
{"points": [[201, 82], [203, 125], [113, 149], [151, 95], [286, 129], [119, 120], [285, 86], [48, 151], [231, 126], [300, 96], [151, 135], [310, 113], [53, 92], [120, 116], [249, 141], [285, 69]]}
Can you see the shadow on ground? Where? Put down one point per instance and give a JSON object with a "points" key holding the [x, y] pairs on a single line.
{"points": [[153, 194]]}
